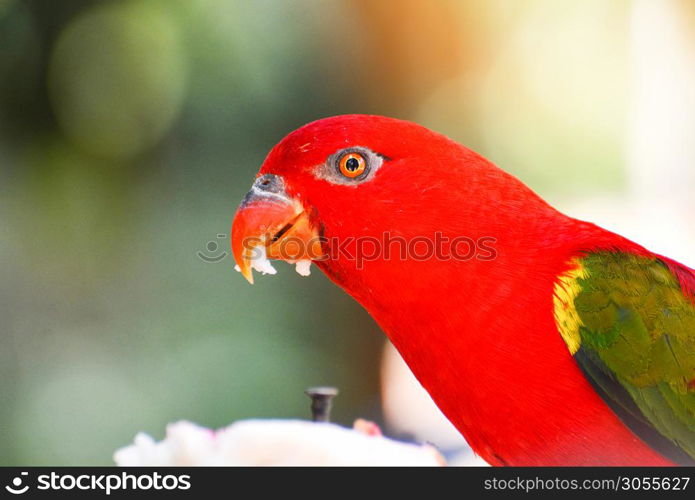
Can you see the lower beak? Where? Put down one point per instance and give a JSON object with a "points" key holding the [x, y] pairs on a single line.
{"points": [[271, 225]]}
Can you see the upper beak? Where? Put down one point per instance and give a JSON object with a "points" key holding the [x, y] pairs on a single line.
{"points": [[270, 224]]}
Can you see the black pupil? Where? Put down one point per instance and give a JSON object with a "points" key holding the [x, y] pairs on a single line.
{"points": [[352, 164]]}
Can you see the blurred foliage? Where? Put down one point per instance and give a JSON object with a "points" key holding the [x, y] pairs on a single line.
{"points": [[129, 131]]}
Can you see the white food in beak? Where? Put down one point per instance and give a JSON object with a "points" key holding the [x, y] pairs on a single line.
{"points": [[260, 262], [303, 267], [264, 266]]}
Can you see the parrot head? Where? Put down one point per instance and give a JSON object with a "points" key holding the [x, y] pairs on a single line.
{"points": [[366, 197]]}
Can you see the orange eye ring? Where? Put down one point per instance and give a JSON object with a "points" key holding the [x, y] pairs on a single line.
{"points": [[352, 165]]}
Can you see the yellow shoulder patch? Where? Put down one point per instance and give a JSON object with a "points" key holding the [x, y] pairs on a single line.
{"points": [[566, 317]]}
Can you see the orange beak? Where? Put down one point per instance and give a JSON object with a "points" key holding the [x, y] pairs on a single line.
{"points": [[270, 225]]}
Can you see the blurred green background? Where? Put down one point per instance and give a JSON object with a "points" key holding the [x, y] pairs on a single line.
{"points": [[130, 130]]}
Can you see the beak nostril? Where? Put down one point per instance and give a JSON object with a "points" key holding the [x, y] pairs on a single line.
{"points": [[270, 183]]}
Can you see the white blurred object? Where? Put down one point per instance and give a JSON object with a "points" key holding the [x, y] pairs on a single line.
{"points": [[658, 210], [275, 442], [303, 267], [409, 409], [661, 150], [660, 145]]}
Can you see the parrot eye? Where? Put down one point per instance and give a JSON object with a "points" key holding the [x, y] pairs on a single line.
{"points": [[352, 165]]}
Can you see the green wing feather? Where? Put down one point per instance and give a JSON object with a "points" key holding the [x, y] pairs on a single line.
{"points": [[631, 327]]}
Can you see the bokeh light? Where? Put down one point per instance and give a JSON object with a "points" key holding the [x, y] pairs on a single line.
{"points": [[117, 77]]}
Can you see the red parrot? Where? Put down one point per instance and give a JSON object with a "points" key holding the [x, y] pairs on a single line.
{"points": [[544, 339]]}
